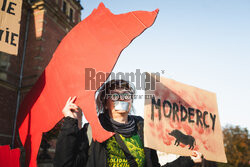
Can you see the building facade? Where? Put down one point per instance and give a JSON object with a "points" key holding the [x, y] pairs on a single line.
{"points": [[48, 21]]}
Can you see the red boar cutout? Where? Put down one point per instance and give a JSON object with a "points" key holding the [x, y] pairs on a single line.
{"points": [[94, 43], [180, 118], [9, 157]]}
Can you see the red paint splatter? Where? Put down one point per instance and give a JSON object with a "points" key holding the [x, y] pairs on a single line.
{"points": [[167, 140], [160, 135], [200, 130], [156, 114], [182, 145], [153, 133], [167, 131], [207, 131], [151, 124], [171, 124], [178, 125], [175, 125], [196, 148], [205, 147], [159, 127], [204, 142], [203, 107], [187, 129]]}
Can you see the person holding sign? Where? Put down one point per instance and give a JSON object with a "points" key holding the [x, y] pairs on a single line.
{"points": [[75, 146]]}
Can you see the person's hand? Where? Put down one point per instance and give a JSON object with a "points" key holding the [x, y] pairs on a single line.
{"points": [[196, 157], [72, 110]]}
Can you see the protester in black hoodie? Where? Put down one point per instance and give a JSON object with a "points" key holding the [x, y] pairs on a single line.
{"points": [[75, 147]]}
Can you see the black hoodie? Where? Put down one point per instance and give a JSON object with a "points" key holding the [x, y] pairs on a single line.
{"points": [[73, 148]]}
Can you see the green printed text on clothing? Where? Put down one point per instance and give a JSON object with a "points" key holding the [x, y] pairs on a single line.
{"points": [[116, 157]]}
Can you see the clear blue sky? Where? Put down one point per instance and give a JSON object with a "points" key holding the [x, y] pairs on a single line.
{"points": [[201, 43]]}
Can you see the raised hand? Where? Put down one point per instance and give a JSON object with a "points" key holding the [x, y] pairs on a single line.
{"points": [[72, 110]]}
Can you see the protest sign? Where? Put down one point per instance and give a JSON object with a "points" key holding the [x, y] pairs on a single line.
{"points": [[10, 16], [95, 43], [180, 118]]}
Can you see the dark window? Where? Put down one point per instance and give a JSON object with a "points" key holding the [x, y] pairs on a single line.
{"points": [[71, 14], [64, 8], [4, 65]]}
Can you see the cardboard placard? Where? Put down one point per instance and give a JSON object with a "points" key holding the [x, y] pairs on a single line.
{"points": [[180, 118], [10, 16]]}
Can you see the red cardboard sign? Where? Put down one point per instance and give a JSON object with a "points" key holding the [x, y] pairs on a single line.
{"points": [[94, 43], [180, 118]]}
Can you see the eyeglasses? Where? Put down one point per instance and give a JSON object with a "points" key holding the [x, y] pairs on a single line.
{"points": [[120, 96]]}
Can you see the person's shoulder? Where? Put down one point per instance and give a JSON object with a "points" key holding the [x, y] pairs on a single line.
{"points": [[139, 121], [137, 118]]}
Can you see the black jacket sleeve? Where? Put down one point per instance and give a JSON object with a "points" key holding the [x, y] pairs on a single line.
{"points": [[182, 161], [72, 145]]}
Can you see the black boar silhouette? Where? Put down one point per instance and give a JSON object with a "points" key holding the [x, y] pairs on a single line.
{"points": [[182, 138]]}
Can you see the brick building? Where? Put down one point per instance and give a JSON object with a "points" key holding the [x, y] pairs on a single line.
{"points": [[49, 22]]}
